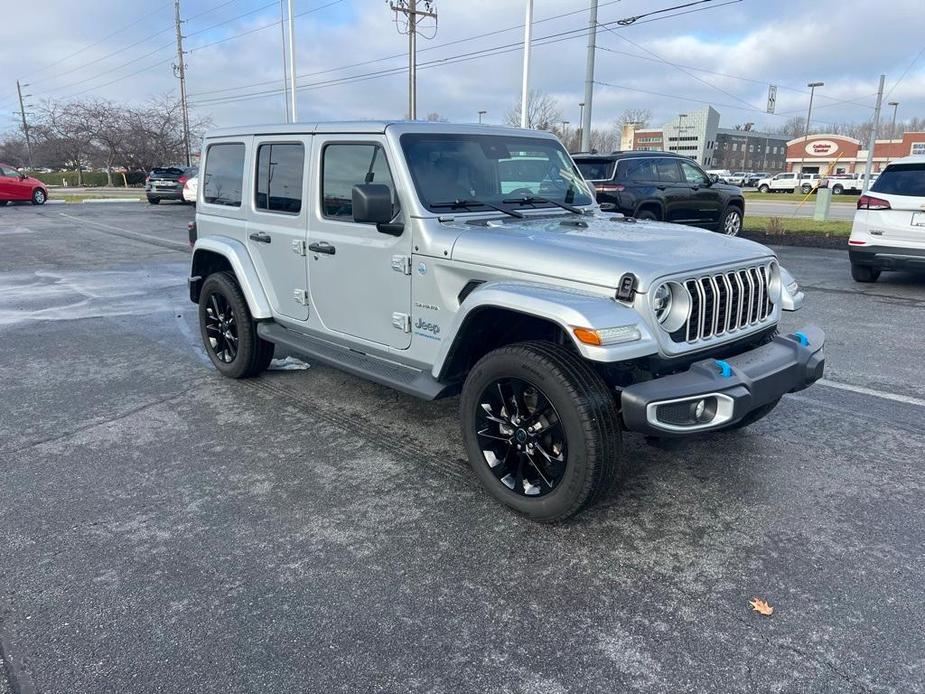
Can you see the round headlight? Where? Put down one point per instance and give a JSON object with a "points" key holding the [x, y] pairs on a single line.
{"points": [[661, 303], [671, 303], [774, 281]]}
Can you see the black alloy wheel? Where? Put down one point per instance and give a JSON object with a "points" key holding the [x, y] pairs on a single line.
{"points": [[521, 437], [221, 328]]}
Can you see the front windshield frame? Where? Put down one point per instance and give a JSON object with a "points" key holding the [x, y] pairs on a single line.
{"points": [[549, 173]]}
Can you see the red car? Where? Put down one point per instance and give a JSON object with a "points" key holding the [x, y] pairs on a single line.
{"points": [[17, 186]]}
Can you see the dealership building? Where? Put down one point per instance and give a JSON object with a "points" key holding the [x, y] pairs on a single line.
{"points": [[838, 154]]}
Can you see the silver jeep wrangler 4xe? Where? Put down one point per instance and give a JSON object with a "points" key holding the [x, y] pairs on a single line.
{"points": [[441, 259]]}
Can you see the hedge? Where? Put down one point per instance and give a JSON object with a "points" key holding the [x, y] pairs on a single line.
{"points": [[90, 178]]}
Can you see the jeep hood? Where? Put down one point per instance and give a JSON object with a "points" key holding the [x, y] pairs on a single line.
{"points": [[600, 253]]}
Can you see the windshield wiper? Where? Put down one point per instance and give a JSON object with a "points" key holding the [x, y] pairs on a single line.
{"points": [[458, 204], [534, 200]]}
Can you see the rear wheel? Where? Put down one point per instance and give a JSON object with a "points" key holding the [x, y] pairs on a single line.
{"points": [[3, 203], [647, 215], [541, 430], [229, 334], [806, 189], [153, 201], [837, 190], [864, 273], [39, 197]]}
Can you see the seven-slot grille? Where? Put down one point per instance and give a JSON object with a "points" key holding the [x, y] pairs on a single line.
{"points": [[726, 303]]}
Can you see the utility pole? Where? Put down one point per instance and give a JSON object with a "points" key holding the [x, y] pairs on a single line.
{"points": [[525, 86], [409, 8], [589, 80], [481, 113], [809, 113], [873, 137], [282, 35], [292, 92], [181, 73], [25, 124]]}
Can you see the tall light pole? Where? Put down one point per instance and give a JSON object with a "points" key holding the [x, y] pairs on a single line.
{"points": [[895, 105], [292, 71], [25, 123], [589, 79], [809, 113], [525, 87], [282, 33], [873, 137], [581, 118], [481, 113], [677, 140]]}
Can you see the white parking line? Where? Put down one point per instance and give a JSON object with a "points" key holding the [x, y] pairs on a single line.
{"points": [[870, 391]]}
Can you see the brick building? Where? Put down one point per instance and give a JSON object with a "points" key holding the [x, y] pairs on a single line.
{"points": [[834, 154]]}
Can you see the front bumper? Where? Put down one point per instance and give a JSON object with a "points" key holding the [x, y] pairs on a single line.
{"points": [[729, 388]]}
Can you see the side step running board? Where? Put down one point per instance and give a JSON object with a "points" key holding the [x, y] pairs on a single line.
{"points": [[408, 380]]}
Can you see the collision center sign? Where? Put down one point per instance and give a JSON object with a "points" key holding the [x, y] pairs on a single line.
{"points": [[822, 148]]}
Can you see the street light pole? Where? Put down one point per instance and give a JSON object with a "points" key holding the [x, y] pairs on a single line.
{"points": [[581, 117], [292, 94], [677, 140], [895, 105], [481, 113], [589, 79], [812, 90], [525, 87]]}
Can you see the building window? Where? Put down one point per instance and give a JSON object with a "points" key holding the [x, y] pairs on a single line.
{"points": [[918, 148]]}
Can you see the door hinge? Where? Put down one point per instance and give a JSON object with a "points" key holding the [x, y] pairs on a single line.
{"points": [[300, 296], [402, 321], [298, 247], [402, 264]]}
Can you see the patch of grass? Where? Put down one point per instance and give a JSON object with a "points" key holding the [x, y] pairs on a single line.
{"points": [[81, 198], [777, 226], [796, 197]]}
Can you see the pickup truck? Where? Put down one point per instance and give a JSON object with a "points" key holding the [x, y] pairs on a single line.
{"points": [[789, 182], [401, 252]]}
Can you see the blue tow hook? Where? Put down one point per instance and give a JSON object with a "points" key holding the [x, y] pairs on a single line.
{"points": [[725, 370], [802, 339]]}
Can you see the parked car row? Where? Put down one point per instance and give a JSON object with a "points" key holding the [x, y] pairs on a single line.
{"points": [[167, 183]]}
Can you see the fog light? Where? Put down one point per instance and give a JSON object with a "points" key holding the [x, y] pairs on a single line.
{"points": [[703, 411]]}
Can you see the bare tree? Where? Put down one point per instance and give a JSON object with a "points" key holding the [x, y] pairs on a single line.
{"points": [[640, 117], [64, 126], [794, 127], [542, 112]]}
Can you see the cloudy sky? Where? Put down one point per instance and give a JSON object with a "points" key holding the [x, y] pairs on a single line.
{"points": [[350, 57]]}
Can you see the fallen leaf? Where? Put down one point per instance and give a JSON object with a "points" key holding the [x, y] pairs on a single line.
{"points": [[759, 605]]}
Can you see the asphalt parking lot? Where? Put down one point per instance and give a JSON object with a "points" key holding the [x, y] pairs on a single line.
{"points": [[163, 529]]}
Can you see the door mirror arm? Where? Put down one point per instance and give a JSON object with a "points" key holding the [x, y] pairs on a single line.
{"points": [[391, 228]]}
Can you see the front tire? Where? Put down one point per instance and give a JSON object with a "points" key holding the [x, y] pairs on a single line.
{"points": [[806, 189], [764, 189], [229, 334], [153, 201], [541, 430], [732, 221], [837, 190], [39, 197], [864, 273]]}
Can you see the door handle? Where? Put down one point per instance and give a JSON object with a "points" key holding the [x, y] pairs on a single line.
{"points": [[661, 187], [321, 247], [260, 237]]}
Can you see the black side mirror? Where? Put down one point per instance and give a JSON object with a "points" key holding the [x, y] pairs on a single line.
{"points": [[372, 203], [711, 179], [22, 176]]}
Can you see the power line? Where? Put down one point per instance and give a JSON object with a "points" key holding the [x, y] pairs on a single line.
{"points": [[96, 43], [449, 60], [394, 56], [905, 72]]}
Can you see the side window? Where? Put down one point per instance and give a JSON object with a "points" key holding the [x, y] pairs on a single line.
{"points": [[638, 170], [278, 187], [224, 174], [4, 171], [346, 165], [693, 175], [668, 171]]}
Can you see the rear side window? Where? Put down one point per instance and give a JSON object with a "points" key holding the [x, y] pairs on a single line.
{"points": [[668, 171], [901, 179], [279, 178], [638, 170], [346, 165], [596, 170], [223, 179]]}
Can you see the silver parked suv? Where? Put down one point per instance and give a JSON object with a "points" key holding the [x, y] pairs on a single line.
{"points": [[440, 259]]}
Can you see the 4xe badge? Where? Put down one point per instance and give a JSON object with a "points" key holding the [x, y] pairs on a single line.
{"points": [[422, 269]]}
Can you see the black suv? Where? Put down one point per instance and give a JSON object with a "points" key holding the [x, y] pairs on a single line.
{"points": [[663, 186], [166, 182]]}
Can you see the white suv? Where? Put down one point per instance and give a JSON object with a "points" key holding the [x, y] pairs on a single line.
{"points": [[889, 225]]}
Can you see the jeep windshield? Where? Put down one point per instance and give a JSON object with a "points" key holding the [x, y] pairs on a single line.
{"points": [[492, 170]]}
